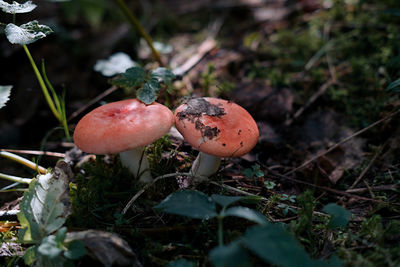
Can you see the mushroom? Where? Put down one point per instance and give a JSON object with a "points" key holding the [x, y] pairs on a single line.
{"points": [[124, 127], [217, 128]]}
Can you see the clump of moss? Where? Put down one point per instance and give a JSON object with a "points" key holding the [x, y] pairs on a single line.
{"points": [[100, 190]]}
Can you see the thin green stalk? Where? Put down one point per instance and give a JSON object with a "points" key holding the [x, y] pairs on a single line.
{"points": [[135, 23], [23, 161], [60, 105], [15, 178], [42, 84]]}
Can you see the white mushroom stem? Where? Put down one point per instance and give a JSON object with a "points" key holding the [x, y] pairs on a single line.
{"points": [[137, 163], [205, 165]]}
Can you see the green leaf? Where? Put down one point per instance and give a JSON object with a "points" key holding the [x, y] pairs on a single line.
{"points": [[225, 201], [115, 64], [61, 234], [76, 250], [249, 173], [340, 216], [49, 247], [163, 75], [275, 245], [45, 206], [30, 255], [15, 7], [181, 263], [26, 33], [149, 92], [231, 255], [192, 204], [394, 86], [132, 77], [246, 213], [5, 91]]}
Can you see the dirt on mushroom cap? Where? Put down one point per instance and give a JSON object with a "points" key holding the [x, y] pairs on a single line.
{"points": [[217, 127], [121, 126]]}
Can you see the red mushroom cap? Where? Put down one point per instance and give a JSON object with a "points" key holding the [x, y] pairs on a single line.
{"points": [[121, 126], [217, 127]]}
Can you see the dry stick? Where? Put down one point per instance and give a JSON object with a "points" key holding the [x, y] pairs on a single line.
{"points": [[387, 187], [202, 51], [311, 100], [91, 102], [262, 198], [362, 174], [328, 189], [36, 152], [147, 186], [342, 142]]}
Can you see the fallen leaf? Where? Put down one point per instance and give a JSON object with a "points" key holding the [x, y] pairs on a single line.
{"points": [[107, 248]]}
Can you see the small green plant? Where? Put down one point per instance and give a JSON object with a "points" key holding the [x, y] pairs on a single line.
{"points": [[271, 242], [44, 209], [254, 172], [29, 33], [146, 84]]}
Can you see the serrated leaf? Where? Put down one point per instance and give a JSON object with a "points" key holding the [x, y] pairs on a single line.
{"points": [[5, 91], [275, 245], [192, 204], [394, 86], [149, 92], [231, 255], [163, 75], [181, 263], [15, 7], [340, 216], [115, 64], [131, 78], [246, 213], [225, 201], [26, 33], [45, 206]]}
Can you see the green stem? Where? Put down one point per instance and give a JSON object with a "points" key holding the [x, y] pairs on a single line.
{"points": [[23, 161], [42, 84], [220, 231], [15, 178], [135, 23]]}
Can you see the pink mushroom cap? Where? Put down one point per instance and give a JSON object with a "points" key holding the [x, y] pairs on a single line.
{"points": [[122, 126], [217, 127]]}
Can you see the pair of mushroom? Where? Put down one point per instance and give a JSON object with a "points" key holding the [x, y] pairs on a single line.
{"points": [[216, 127]]}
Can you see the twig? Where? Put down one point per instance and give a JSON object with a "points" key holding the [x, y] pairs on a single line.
{"points": [[94, 100], [328, 189], [147, 186], [387, 187], [36, 152], [311, 100], [262, 198], [368, 167], [343, 141], [202, 51]]}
